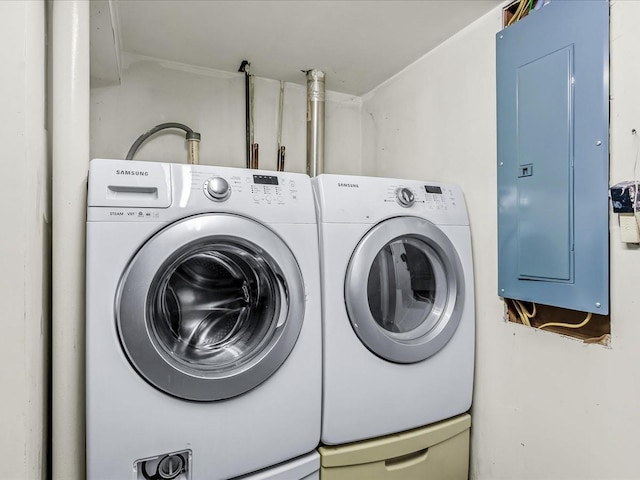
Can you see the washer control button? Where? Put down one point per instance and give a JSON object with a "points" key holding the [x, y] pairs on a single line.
{"points": [[405, 197], [217, 189]]}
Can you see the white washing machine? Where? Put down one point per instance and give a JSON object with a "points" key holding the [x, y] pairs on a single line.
{"points": [[398, 305], [203, 339]]}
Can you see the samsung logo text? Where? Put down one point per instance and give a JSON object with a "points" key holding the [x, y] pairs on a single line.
{"points": [[135, 173]]}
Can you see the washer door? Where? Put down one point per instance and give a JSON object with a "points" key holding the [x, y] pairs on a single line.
{"points": [[210, 307], [404, 289]]}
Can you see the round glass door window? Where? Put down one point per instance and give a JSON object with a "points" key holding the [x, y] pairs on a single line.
{"points": [[405, 290], [210, 307]]}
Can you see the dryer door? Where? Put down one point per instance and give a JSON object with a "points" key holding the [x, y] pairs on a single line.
{"points": [[210, 307], [404, 289]]}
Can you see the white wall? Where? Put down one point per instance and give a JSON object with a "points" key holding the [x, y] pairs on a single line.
{"points": [[212, 103], [24, 242], [545, 406]]}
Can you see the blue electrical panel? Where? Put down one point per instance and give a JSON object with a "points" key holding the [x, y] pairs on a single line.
{"points": [[552, 80]]}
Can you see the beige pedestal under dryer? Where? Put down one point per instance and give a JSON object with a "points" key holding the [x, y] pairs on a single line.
{"points": [[436, 452]]}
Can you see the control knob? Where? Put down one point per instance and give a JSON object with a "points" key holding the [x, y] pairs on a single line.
{"points": [[405, 197], [218, 189]]}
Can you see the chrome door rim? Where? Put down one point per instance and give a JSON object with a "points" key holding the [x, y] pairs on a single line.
{"points": [[427, 342], [154, 363]]}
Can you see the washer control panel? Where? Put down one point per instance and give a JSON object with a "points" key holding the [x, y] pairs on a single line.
{"points": [[260, 188], [135, 191], [272, 189]]}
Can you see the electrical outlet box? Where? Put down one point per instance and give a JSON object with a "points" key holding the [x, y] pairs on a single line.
{"points": [[553, 119]]}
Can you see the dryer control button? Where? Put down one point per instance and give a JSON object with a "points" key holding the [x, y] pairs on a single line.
{"points": [[217, 189], [405, 197]]}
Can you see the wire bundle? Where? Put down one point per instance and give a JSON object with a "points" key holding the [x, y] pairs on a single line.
{"points": [[525, 317], [524, 7], [523, 313]]}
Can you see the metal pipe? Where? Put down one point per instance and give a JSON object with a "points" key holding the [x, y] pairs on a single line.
{"points": [[254, 157], [280, 165], [315, 122], [280, 150], [280, 113], [194, 150], [244, 67], [254, 147]]}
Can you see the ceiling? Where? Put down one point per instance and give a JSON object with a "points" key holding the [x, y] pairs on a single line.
{"points": [[357, 43]]}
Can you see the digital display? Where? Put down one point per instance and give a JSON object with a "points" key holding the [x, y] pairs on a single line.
{"points": [[265, 180], [432, 189]]}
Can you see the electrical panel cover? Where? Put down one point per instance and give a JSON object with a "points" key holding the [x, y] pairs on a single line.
{"points": [[553, 167]]}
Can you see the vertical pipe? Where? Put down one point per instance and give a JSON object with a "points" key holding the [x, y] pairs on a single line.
{"points": [[244, 67], [315, 122], [281, 149], [254, 146], [280, 114], [247, 111], [254, 157], [70, 149], [280, 164], [193, 145], [251, 108]]}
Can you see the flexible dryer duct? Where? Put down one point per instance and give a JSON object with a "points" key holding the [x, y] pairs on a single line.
{"points": [[315, 122]]}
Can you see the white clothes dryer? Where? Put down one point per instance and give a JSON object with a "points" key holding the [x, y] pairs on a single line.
{"points": [[398, 305], [203, 341]]}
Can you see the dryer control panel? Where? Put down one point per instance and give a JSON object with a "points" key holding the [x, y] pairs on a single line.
{"points": [[351, 199], [433, 197]]}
